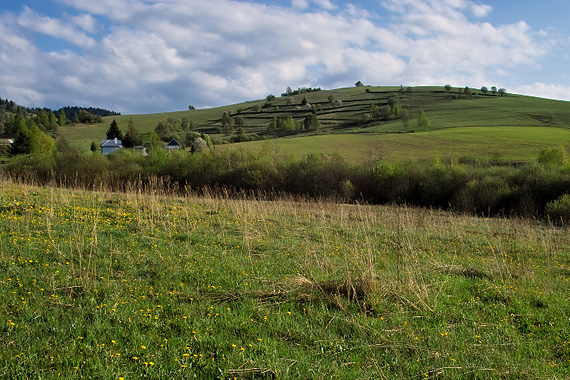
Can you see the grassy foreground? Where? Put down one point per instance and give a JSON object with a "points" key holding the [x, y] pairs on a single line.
{"points": [[153, 286]]}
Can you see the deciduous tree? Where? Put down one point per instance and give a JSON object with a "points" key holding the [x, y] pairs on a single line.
{"points": [[423, 121], [312, 123]]}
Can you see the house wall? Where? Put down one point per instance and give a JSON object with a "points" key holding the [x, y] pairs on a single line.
{"points": [[106, 149]]}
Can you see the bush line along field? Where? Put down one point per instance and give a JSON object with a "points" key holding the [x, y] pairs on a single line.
{"points": [[538, 189], [135, 285]]}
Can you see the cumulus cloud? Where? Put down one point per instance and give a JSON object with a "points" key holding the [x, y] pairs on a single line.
{"points": [[163, 55], [85, 22], [30, 20], [481, 10], [543, 90]]}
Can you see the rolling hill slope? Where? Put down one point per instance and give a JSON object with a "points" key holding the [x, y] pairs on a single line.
{"points": [[354, 132]]}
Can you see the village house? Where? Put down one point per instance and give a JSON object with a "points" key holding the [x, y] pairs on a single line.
{"points": [[173, 144], [108, 146]]}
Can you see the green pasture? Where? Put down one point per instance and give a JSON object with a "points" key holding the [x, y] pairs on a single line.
{"points": [[136, 286], [500, 143]]}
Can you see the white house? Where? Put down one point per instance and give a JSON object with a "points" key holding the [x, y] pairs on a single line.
{"points": [[108, 146]]}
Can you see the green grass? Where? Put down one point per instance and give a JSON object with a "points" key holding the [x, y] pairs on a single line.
{"points": [[477, 111], [505, 143], [103, 285]]}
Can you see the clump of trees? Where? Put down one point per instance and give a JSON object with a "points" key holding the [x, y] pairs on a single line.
{"points": [[31, 140], [484, 90], [72, 112], [181, 130], [301, 90]]}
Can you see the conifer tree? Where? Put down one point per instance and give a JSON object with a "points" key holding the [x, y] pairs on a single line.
{"points": [[132, 137], [114, 131], [21, 144]]}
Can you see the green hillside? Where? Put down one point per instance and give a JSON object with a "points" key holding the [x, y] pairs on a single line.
{"points": [[351, 113]]}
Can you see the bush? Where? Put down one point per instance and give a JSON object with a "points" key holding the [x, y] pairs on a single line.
{"points": [[559, 209], [553, 156]]}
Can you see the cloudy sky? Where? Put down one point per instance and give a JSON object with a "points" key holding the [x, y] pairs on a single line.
{"points": [[144, 56]]}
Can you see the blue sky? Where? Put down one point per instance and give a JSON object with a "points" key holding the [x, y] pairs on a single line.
{"points": [[143, 56]]}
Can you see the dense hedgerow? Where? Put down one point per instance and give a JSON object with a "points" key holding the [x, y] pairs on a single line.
{"points": [[468, 186]]}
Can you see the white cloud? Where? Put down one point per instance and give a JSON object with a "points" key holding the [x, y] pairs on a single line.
{"points": [[325, 4], [164, 55], [304, 4], [300, 4], [543, 90], [85, 22], [30, 20], [481, 10]]}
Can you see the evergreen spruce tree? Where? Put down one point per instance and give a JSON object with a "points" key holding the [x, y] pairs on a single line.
{"points": [[21, 144], [114, 131], [132, 137]]}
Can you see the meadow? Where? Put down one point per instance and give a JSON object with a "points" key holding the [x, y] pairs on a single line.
{"points": [[150, 285], [508, 144]]}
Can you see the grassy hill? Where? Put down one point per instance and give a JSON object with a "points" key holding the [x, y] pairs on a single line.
{"points": [[353, 134]]}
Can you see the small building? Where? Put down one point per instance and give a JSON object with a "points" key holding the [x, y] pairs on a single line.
{"points": [[172, 145], [108, 146]]}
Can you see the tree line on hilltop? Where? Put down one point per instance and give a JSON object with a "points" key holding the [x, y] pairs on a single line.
{"points": [[13, 115]]}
